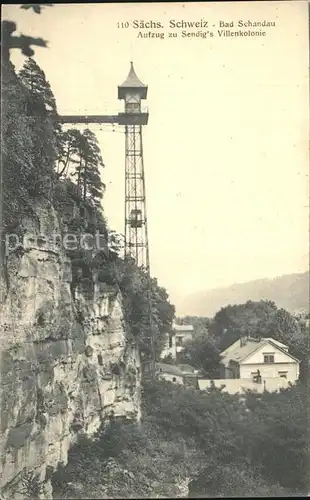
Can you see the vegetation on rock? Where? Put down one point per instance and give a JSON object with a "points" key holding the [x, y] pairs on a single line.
{"points": [[219, 444]]}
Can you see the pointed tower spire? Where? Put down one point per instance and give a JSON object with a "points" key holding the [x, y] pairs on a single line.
{"points": [[132, 82]]}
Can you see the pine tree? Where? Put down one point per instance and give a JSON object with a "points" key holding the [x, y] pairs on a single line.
{"points": [[45, 126], [17, 144], [70, 145], [87, 172], [33, 77]]}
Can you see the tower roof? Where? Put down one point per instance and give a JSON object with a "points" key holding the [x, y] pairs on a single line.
{"points": [[132, 82]]}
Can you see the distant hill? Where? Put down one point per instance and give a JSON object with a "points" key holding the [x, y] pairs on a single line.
{"points": [[290, 292]]}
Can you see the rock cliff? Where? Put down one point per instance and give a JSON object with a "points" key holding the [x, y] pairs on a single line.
{"points": [[67, 363]]}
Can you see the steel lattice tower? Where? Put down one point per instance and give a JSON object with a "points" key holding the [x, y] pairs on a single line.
{"points": [[136, 238], [132, 91]]}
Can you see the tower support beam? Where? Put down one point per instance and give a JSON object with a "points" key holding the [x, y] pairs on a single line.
{"points": [[136, 239], [85, 119]]}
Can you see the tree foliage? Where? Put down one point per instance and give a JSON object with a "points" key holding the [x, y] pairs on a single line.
{"points": [[202, 353], [87, 171], [44, 129], [79, 159], [22, 42], [17, 145], [258, 320], [70, 145], [34, 79], [140, 294], [36, 7], [32, 140], [223, 446], [200, 323]]}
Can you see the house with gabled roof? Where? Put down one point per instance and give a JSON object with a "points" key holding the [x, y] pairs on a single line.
{"points": [[259, 360], [182, 374]]}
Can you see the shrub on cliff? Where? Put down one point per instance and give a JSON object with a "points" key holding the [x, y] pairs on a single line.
{"points": [[44, 128], [139, 294], [17, 143], [130, 461]]}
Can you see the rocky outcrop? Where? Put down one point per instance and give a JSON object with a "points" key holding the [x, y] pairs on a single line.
{"points": [[67, 363]]}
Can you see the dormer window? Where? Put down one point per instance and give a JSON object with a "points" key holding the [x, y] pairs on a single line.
{"points": [[269, 358]]}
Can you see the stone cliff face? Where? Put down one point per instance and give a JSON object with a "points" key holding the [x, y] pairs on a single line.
{"points": [[67, 363]]}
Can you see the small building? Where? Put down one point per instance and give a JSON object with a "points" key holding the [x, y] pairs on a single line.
{"points": [[180, 374], [176, 339], [259, 360]]}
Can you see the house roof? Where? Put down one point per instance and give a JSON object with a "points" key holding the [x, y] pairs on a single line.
{"points": [[171, 369], [178, 370], [183, 328], [132, 80], [186, 368], [239, 353], [276, 342]]}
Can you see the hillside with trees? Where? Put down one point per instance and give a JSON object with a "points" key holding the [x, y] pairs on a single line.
{"points": [[290, 292]]}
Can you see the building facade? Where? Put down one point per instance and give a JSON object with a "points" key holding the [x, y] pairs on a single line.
{"points": [[259, 360], [176, 340]]}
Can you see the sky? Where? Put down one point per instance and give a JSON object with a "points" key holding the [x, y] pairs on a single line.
{"points": [[226, 147]]}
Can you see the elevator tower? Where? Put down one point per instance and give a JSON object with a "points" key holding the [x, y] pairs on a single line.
{"points": [[133, 117]]}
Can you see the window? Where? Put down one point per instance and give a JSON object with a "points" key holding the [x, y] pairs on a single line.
{"points": [[282, 374], [174, 379], [135, 218], [269, 358], [256, 377], [179, 341], [170, 340], [132, 107]]}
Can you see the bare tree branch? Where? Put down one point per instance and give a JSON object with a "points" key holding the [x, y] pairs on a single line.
{"points": [[36, 7]]}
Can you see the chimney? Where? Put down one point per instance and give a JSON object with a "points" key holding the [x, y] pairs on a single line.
{"points": [[243, 341]]}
